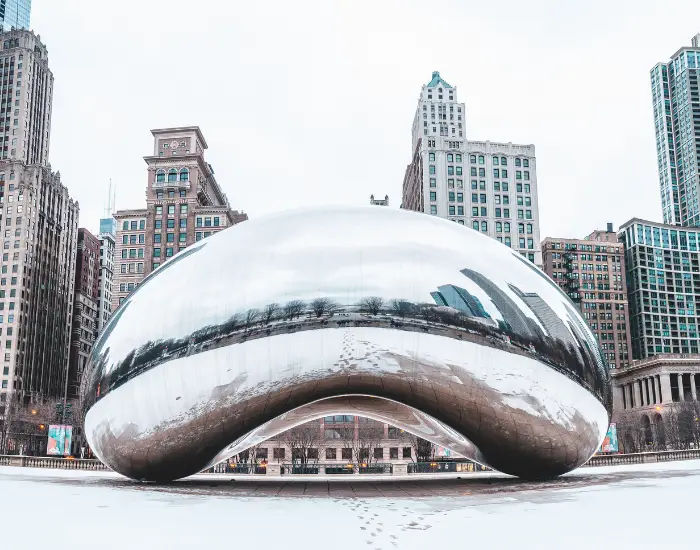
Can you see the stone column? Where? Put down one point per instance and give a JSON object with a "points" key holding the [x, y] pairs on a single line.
{"points": [[693, 392], [666, 386], [639, 387]]}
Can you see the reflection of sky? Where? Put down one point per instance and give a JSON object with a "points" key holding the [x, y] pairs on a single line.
{"points": [[342, 253]]}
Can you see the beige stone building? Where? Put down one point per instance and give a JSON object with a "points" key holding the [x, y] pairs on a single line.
{"points": [[652, 396], [184, 204], [39, 229]]}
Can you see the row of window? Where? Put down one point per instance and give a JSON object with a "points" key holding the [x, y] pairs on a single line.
{"points": [[172, 175]]}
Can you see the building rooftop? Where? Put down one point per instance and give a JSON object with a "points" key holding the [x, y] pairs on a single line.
{"points": [[177, 129], [437, 79]]}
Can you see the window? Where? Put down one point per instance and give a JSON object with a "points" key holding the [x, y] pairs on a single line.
{"points": [[184, 175], [158, 224], [171, 209], [125, 226], [432, 169], [183, 237], [433, 196], [170, 237], [475, 225], [159, 210], [406, 452], [160, 176], [172, 175], [171, 223], [433, 209], [379, 453], [451, 210], [216, 221], [331, 454], [156, 252], [183, 223], [484, 227], [432, 182], [431, 157], [495, 161], [183, 209], [278, 453], [168, 252]]}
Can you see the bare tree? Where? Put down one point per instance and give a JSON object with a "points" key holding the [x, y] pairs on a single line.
{"points": [[250, 457], [323, 306], [25, 427], [363, 441], [304, 442], [371, 305], [423, 450], [294, 309], [269, 312]]}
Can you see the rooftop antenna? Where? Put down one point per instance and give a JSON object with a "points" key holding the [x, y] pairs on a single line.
{"points": [[111, 199]]}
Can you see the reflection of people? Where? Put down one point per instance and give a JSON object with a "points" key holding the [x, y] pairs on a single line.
{"points": [[82, 452]]}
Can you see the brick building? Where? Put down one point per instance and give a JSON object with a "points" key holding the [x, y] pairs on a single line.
{"points": [[184, 204], [591, 272], [85, 308]]}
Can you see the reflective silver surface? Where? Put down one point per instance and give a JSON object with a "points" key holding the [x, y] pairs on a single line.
{"points": [[394, 315]]}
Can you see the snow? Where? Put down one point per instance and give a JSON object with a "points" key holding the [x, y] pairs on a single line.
{"points": [[640, 506]]}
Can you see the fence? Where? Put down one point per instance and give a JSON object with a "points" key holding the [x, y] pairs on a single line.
{"points": [[343, 468], [337, 469], [643, 458], [52, 462]]}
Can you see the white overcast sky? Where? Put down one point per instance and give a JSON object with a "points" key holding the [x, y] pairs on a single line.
{"points": [[311, 103]]}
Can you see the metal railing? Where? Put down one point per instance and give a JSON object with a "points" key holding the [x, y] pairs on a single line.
{"points": [[337, 468]]}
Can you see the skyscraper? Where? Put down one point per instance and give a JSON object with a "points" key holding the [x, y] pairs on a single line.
{"points": [[15, 14], [107, 236], [662, 264], [184, 204], [674, 89], [40, 227], [490, 187], [85, 308]]}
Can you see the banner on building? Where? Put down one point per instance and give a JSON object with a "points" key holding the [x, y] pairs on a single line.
{"points": [[60, 438], [610, 442]]}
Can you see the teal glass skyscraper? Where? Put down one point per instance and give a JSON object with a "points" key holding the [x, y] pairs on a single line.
{"points": [[15, 14], [674, 87]]}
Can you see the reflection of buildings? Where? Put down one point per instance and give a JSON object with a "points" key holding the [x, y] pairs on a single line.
{"points": [[459, 299], [379, 202], [551, 322], [513, 316]]}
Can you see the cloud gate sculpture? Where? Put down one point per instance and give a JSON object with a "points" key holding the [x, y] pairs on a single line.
{"points": [[394, 315]]}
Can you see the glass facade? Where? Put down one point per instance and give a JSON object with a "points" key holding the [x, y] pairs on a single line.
{"points": [[15, 13], [663, 280], [674, 87]]}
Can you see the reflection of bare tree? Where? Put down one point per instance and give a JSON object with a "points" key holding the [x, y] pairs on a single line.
{"points": [[402, 308], [269, 311], [294, 309], [250, 317], [372, 305], [323, 306]]}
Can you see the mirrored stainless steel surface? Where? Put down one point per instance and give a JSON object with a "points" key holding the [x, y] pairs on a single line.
{"points": [[400, 316]]}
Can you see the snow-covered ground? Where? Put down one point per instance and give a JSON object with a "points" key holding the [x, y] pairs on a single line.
{"points": [[642, 506]]}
